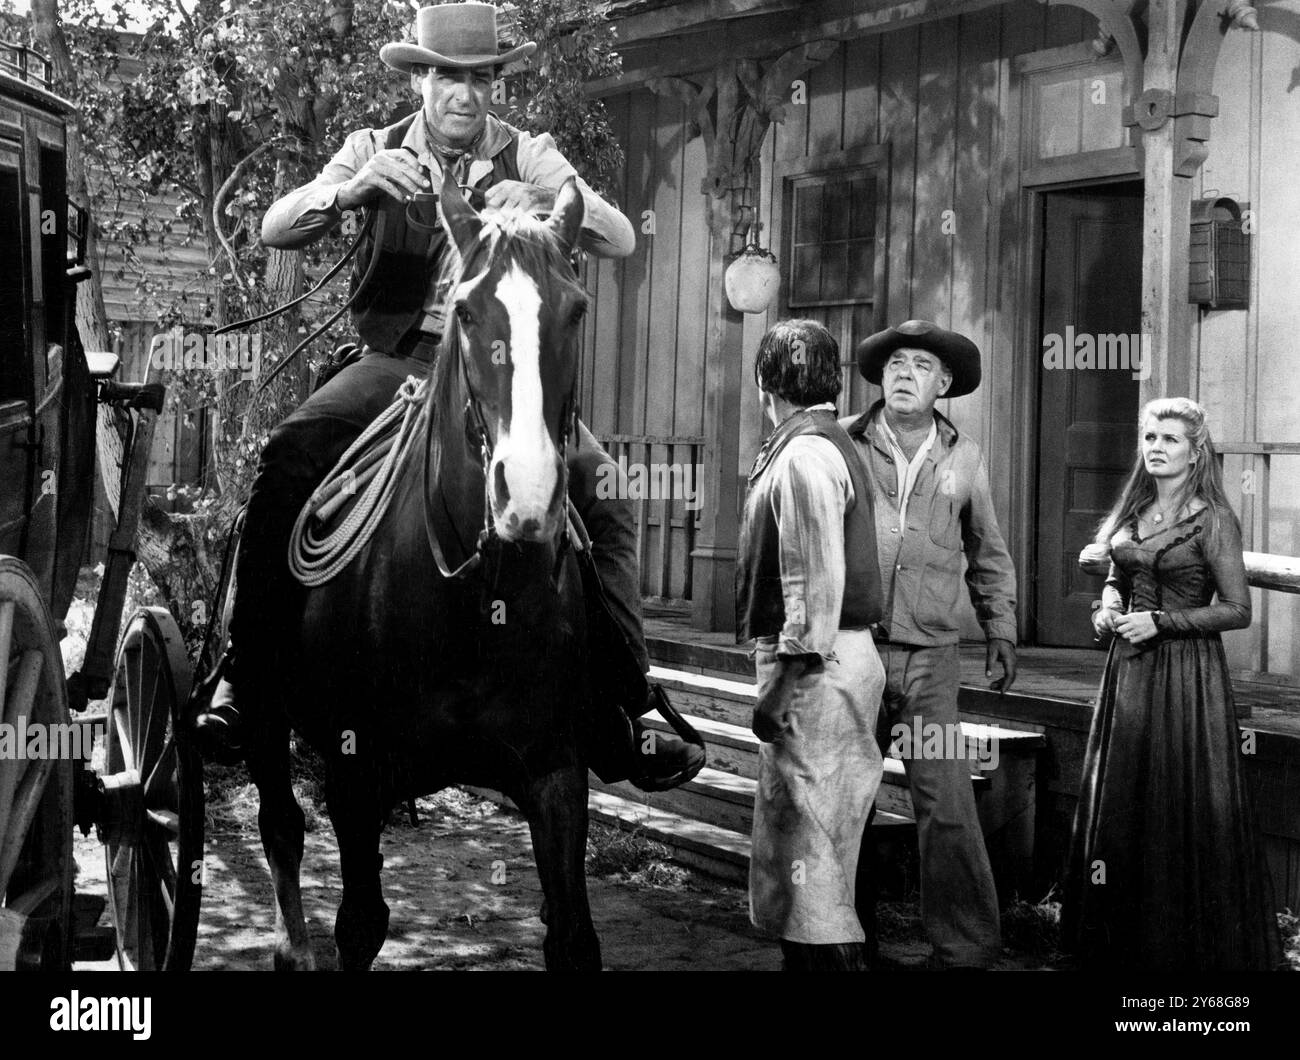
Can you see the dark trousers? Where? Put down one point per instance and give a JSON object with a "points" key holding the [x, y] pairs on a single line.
{"points": [[308, 443], [959, 902]]}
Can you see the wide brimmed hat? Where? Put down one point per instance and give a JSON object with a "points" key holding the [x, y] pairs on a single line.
{"points": [[457, 35], [958, 353]]}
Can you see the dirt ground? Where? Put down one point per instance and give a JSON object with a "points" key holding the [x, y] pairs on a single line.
{"points": [[464, 894]]}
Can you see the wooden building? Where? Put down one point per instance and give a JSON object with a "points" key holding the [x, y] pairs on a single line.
{"points": [[1014, 171], [967, 162]]}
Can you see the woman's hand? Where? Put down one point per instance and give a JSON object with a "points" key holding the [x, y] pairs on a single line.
{"points": [[1136, 627], [1103, 621]]}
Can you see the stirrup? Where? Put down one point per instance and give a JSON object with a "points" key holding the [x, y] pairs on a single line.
{"points": [[682, 727]]}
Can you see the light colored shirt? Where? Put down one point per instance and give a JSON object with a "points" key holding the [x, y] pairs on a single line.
{"points": [[306, 214], [950, 517], [809, 489], [905, 471]]}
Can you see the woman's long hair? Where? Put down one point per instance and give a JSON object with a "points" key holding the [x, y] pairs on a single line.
{"points": [[1204, 479]]}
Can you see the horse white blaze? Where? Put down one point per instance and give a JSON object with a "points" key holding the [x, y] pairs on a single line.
{"points": [[524, 449]]}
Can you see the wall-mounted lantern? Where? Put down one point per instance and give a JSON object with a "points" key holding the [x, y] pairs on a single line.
{"points": [[752, 280], [1218, 266]]}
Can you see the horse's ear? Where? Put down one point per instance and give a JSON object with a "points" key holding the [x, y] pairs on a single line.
{"points": [[567, 214], [462, 222]]}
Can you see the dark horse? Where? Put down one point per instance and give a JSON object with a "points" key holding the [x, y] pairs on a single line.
{"points": [[407, 680]]}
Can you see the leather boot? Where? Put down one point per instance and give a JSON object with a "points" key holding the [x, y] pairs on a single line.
{"points": [[219, 730], [836, 957], [667, 760]]}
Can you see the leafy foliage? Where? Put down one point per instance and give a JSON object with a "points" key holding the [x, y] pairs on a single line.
{"points": [[196, 124], [575, 46], [193, 125]]}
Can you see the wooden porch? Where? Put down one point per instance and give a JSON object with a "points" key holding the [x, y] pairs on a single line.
{"points": [[1026, 803]]}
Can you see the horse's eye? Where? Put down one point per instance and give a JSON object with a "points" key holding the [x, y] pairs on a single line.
{"points": [[463, 314], [579, 311]]}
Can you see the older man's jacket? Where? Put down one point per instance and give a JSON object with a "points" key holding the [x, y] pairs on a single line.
{"points": [[950, 513]]}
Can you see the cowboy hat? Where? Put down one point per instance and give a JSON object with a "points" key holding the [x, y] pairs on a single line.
{"points": [[463, 36], [960, 356]]}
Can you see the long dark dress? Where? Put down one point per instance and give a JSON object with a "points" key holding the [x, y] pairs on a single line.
{"points": [[1167, 869]]}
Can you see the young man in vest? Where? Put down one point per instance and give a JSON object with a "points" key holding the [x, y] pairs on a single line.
{"points": [[808, 588], [932, 506], [398, 313]]}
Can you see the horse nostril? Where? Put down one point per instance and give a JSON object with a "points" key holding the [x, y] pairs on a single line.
{"points": [[530, 528], [502, 490]]}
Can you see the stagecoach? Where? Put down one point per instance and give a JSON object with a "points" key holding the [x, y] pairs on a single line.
{"points": [[64, 418]]}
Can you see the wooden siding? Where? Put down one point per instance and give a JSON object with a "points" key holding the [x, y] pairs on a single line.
{"points": [[945, 97], [646, 344], [644, 361]]}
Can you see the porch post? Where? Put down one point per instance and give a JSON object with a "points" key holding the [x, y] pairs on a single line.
{"points": [[714, 556], [1166, 312]]}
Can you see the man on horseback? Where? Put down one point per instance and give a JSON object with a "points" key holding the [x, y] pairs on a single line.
{"points": [[398, 312]]}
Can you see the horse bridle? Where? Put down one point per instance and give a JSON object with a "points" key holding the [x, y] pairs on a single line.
{"points": [[477, 432]]}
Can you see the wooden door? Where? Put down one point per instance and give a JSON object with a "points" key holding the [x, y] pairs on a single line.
{"points": [[1091, 296]]}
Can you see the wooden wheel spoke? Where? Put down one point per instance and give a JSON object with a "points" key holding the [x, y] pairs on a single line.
{"points": [[160, 853], [28, 681], [135, 678], [149, 708], [159, 780], [165, 820], [22, 813], [122, 724]]}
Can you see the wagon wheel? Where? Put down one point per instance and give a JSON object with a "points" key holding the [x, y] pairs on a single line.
{"points": [[152, 821], [36, 818]]}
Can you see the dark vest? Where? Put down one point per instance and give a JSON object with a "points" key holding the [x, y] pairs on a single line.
{"points": [[388, 309], [760, 606]]}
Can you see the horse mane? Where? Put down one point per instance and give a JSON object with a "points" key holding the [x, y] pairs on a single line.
{"points": [[530, 240]]}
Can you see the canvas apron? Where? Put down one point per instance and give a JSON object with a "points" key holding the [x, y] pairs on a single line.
{"points": [[816, 784]]}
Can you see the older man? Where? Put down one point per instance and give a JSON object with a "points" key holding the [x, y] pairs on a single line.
{"points": [[397, 309], [932, 505], [808, 590]]}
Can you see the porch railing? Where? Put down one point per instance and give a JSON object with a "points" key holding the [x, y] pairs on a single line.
{"points": [[661, 475], [1264, 570]]}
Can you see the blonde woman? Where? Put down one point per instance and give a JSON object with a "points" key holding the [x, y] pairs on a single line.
{"points": [[1167, 867]]}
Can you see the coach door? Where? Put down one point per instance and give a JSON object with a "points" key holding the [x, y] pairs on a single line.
{"points": [[16, 453], [1088, 402]]}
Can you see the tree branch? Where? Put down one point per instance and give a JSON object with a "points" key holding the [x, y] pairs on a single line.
{"points": [[218, 200]]}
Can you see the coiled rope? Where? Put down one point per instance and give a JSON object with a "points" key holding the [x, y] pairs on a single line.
{"points": [[372, 463]]}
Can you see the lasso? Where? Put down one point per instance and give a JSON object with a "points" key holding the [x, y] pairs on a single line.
{"points": [[379, 454]]}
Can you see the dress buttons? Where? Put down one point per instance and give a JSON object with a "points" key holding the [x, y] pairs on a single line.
{"points": [[893, 529]]}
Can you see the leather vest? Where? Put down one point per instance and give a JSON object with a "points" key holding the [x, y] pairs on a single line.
{"points": [[388, 310], [760, 605]]}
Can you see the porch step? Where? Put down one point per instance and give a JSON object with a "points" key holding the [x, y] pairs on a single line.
{"points": [[723, 794], [1003, 768], [720, 852]]}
